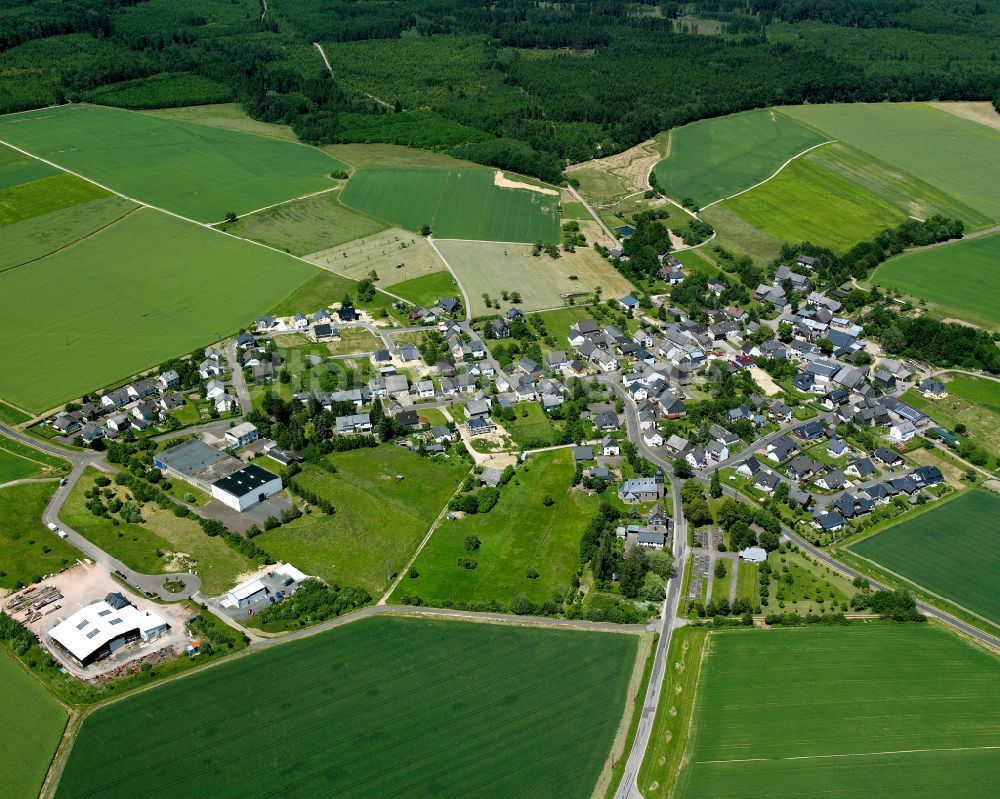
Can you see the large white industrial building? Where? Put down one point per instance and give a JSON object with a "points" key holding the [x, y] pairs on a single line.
{"points": [[94, 632], [246, 487]]}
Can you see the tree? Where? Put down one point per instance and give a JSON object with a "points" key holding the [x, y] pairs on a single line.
{"points": [[720, 569], [715, 488], [825, 346], [425, 230], [632, 573], [472, 543], [682, 468], [515, 297], [961, 429], [231, 217], [893, 339]]}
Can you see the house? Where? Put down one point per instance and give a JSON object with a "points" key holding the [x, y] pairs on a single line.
{"points": [[514, 315], [885, 380], [610, 447], [499, 329], [605, 361], [169, 379], [932, 389], [115, 399], [902, 431], [354, 423], [807, 262], [241, 435], [323, 332], [652, 437], [780, 411], [833, 480], [716, 451], [828, 522], [581, 454], [148, 411], [480, 426], [209, 368], [723, 436], [837, 447], [799, 498], [262, 372], [677, 444], [408, 419], [862, 469], [528, 366], [651, 539], [697, 457], [397, 385], [928, 476], [605, 421], [119, 422], [555, 360], [670, 405], [266, 322], [91, 432], [766, 482], [439, 434], [246, 487], [425, 389], [477, 409], [346, 313], [753, 554], [225, 403], [803, 467], [810, 431], [214, 388], [878, 494], [66, 423], [781, 449], [749, 468], [805, 382], [641, 489], [628, 302], [449, 305], [213, 354], [888, 457]]}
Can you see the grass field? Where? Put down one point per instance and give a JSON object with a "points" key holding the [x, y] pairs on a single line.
{"points": [[958, 156], [972, 401], [17, 168], [42, 196], [953, 551], [11, 415], [33, 725], [808, 202], [714, 158], [531, 427], [746, 582], [426, 290], [28, 549], [519, 532], [111, 324], [377, 518], [456, 203], [228, 116], [18, 461], [319, 291], [971, 284], [491, 268], [737, 235], [779, 713], [193, 170], [801, 585], [305, 226], [409, 708]]}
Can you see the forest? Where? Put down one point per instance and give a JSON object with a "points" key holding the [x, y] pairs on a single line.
{"points": [[523, 84]]}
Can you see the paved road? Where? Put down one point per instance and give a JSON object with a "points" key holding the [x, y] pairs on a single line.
{"points": [[607, 231], [238, 380]]}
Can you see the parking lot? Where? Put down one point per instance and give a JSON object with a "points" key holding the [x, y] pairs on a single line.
{"points": [[273, 583]]}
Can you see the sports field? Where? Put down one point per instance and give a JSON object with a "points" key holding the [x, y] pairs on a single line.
{"points": [[953, 550], [193, 170], [401, 707], [521, 531], [120, 301], [889, 711], [377, 519], [714, 158], [33, 724], [456, 203], [961, 278]]}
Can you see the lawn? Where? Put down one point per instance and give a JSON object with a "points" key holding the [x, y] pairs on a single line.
{"points": [[18, 461], [779, 713], [490, 268], [972, 284], [28, 549], [808, 202], [953, 551], [801, 585], [714, 158], [33, 724], [305, 226], [456, 203], [531, 428], [746, 582], [377, 519], [151, 547], [409, 708], [957, 156], [194, 170], [972, 401], [111, 324], [42, 196], [426, 290], [720, 587], [521, 531]]}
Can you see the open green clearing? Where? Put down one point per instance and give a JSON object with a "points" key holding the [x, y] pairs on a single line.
{"points": [[456, 203], [33, 724], [28, 549], [953, 551], [960, 278], [193, 170], [37, 197], [408, 708], [377, 519], [972, 401], [112, 324], [320, 291], [307, 225], [18, 461], [714, 158], [521, 531], [426, 290], [531, 427], [958, 156], [888, 710]]}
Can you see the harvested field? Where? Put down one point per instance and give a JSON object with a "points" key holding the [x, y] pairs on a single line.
{"points": [[395, 255]]}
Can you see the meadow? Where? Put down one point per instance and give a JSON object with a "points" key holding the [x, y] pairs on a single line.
{"points": [[28, 549], [320, 291], [37, 197], [531, 427], [394, 256], [714, 158], [961, 278], [426, 290], [456, 203], [519, 532], [124, 302], [33, 724], [194, 170], [779, 713], [377, 519], [972, 401], [411, 708], [18, 461], [953, 551]]}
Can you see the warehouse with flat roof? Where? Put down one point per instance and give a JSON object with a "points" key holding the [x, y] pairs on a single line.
{"points": [[245, 488], [197, 463]]}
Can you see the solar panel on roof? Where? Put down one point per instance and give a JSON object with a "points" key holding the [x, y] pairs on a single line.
{"points": [[113, 622], [83, 624], [93, 632]]}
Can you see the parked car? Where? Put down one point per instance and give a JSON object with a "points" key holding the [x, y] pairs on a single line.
{"points": [[63, 534], [52, 527]]}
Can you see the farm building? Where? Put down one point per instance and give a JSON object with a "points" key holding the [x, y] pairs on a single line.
{"points": [[245, 593], [246, 487], [94, 632]]}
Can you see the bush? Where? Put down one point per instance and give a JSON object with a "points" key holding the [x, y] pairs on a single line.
{"points": [[472, 543], [531, 573], [467, 563]]}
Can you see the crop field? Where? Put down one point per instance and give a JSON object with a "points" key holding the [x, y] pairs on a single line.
{"points": [[428, 289], [305, 226], [409, 708], [808, 202], [456, 203], [111, 324], [971, 281], [491, 268], [37, 197], [736, 234], [953, 551], [394, 255], [17, 168], [28, 549], [972, 401], [714, 158], [779, 713], [321, 290], [958, 156], [377, 519], [33, 724], [521, 531], [18, 460], [193, 170]]}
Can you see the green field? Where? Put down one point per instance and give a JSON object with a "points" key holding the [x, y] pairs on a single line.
{"points": [[408, 708], [456, 203], [377, 518], [953, 551], [18, 461], [320, 291], [426, 290], [305, 226], [808, 202], [531, 427], [714, 158], [124, 301], [519, 532], [17, 168], [37, 197], [193, 170], [972, 401], [28, 549], [11, 415], [961, 278], [957, 156], [889, 711], [33, 725]]}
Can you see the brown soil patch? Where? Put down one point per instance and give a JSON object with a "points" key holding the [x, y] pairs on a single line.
{"points": [[505, 183], [632, 166], [982, 112]]}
